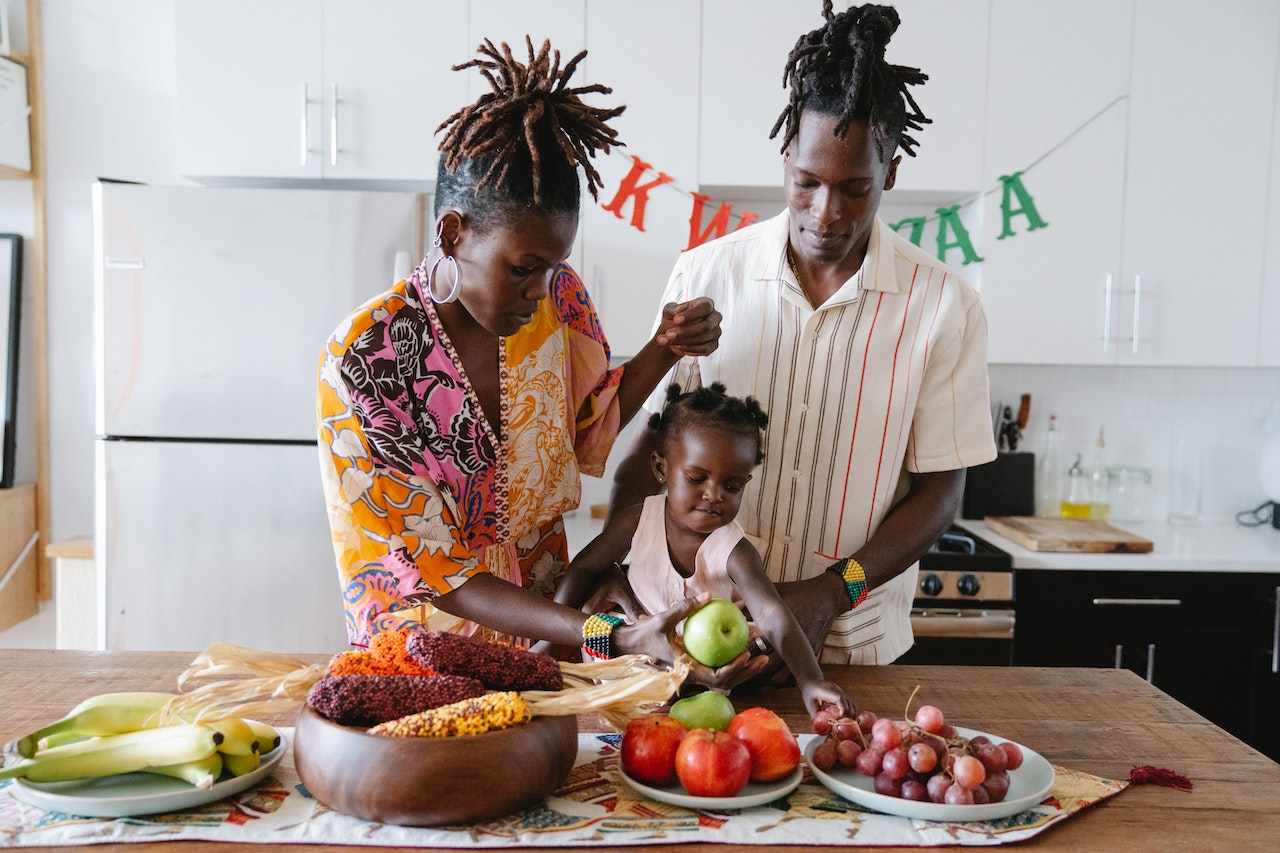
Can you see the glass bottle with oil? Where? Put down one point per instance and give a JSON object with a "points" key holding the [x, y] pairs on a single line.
{"points": [[1100, 481], [1077, 502]]}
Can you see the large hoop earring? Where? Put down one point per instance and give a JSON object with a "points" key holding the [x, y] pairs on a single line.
{"points": [[452, 296]]}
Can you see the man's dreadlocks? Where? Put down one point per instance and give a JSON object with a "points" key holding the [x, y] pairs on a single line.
{"points": [[839, 70]]}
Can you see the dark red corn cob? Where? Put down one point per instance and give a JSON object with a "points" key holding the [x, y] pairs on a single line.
{"points": [[497, 666], [366, 700]]}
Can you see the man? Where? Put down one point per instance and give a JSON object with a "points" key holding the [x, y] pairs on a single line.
{"points": [[868, 356]]}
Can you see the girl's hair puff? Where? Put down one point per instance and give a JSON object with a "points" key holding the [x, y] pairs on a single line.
{"points": [[709, 406]]}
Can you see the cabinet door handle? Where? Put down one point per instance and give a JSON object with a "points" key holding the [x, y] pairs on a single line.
{"points": [[1139, 602], [1119, 656], [333, 128], [1275, 638], [1151, 663], [1137, 306], [302, 158], [1106, 316]]}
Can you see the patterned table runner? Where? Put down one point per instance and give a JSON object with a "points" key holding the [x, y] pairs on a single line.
{"points": [[592, 808]]}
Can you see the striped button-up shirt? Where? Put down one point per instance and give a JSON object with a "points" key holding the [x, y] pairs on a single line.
{"points": [[885, 378]]}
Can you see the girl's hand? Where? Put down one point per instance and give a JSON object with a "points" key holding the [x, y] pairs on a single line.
{"points": [[823, 694], [689, 328]]}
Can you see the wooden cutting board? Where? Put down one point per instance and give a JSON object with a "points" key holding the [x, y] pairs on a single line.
{"points": [[1067, 534]]}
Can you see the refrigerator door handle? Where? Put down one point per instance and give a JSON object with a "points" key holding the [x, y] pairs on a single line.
{"points": [[123, 263]]}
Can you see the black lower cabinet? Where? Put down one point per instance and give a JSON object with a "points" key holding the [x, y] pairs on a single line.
{"points": [[1204, 638]]}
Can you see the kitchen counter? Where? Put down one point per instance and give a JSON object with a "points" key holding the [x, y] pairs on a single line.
{"points": [[1093, 720], [1207, 546]]}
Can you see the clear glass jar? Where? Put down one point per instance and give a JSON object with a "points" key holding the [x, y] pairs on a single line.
{"points": [[1130, 490]]}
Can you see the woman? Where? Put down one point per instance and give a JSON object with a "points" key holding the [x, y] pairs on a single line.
{"points": [[457, 410]]}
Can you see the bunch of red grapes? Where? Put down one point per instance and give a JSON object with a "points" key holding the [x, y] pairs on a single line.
{"points": [[924, 760]]}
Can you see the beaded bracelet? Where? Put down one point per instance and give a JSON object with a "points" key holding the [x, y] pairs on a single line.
{"points": [[597, 635], [855, 580]]}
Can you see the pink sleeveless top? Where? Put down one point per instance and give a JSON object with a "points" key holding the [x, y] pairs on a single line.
{"points": [[655, 580]]}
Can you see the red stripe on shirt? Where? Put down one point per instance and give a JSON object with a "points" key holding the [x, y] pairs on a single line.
{"points": [[857, 409], [888, 407]]}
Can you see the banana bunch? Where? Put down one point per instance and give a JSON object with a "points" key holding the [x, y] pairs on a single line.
{"points": [[125, 732]]}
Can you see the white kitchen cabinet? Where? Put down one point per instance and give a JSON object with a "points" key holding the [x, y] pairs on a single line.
{"points": [[310, 89], [1151, 252], [1269, 316], [1058, 114], [625, 268], [745, 44], [744, 51], [947, 39]]}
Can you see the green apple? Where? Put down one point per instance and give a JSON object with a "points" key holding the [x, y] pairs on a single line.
{"points": [[709, 709], [716, 633]]}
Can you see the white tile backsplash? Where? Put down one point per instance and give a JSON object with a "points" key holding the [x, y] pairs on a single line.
{"points": [[1142, 409]]}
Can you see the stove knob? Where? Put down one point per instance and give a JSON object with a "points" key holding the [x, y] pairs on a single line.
{"points": [[931, 584], [968, 585]]}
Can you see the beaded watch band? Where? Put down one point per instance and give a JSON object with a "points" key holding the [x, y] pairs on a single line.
{"points": [[597, 635], [855, 579]]}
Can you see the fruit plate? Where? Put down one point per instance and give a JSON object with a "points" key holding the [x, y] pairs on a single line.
{"points": [[1028, 786], [755, 794], [131, 794]]}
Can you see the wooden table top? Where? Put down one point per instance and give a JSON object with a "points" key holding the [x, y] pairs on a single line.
{"points": [[1099, 721]]}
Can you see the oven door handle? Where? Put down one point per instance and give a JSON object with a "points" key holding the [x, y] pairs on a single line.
{"points": [[986, 625]]}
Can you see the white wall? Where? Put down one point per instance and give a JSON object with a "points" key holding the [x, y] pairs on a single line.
{"points": [[109, 111]]}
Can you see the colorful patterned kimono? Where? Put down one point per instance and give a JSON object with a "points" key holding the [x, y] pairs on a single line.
{"points": [[421, 493]]}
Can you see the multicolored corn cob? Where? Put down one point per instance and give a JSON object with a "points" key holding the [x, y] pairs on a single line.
{"points": [[497, 666], [386, 655], [468, 717], [366, 700]]}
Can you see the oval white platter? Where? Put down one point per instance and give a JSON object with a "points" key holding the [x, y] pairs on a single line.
{"points": [[754, 794], [132, 794], [1028, 786]]}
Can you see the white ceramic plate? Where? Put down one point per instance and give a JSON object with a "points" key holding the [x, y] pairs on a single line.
{"points": [[129, 794], [1028, 785], [755, 794]]}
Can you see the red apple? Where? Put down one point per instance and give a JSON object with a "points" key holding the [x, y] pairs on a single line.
{"points": [[712, 764], [649, 748], [774, 750]]}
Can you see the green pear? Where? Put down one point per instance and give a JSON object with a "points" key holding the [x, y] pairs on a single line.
{"points": [[706, 710]]}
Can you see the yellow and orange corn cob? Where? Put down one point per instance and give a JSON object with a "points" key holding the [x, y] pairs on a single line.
{"points": [[468, 717], [365, 700], [497, 666]]}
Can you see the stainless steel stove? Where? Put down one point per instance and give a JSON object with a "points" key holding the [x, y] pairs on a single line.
{"points": [[964, 609]]}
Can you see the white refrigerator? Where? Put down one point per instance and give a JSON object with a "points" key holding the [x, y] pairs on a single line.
{"points": [[212, 306]]}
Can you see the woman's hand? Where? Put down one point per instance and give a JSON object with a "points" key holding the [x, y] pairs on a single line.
{"points": [[689, 328], [655, 635]]}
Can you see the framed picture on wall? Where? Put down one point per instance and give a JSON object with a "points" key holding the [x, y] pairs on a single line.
{"points": [[10, 322]]}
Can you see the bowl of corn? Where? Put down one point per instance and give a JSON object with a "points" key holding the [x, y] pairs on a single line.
{"points": [[444, 745]]}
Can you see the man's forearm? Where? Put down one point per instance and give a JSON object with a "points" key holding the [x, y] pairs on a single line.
{"points": [[912, 526]]}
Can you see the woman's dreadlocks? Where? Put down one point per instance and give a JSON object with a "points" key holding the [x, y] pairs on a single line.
{"points": [[521, 143], [839, 70]]}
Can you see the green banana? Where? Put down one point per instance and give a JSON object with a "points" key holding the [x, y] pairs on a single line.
{"points": [[238, 765], [122, 753], [106, 714], [268, 737], [201, 773]]}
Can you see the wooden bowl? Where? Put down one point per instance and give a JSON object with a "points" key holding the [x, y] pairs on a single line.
{"points": [[430, 781]]}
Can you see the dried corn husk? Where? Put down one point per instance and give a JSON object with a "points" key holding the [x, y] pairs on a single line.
{"points": [[247, 682]]}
